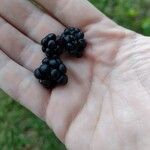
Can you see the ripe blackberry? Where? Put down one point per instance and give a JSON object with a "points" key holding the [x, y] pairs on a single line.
{"points": [[51, 45], [52, 72], [73, 41]]}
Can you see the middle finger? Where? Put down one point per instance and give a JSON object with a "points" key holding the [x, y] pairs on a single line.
{"points": [[29, 19]]}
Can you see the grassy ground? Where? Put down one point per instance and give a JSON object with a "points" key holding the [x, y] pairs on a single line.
{"points": [[21, 130]]}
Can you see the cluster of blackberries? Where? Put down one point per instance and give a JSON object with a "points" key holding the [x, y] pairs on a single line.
{"points": [[73, 41], [51, 45], [52, 71]]}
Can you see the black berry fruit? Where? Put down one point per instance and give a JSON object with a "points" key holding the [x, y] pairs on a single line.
{"points": [[51, 45], [73, 41], [52, 72]]}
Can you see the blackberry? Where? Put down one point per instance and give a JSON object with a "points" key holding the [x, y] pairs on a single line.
{"points": [[52, 72], [51, 45], [73, 41]]}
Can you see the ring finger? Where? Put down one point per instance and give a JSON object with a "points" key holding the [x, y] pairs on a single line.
{"points": [[19, 47]]}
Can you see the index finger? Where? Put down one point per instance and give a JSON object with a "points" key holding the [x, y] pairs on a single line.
{"points": [[78, 13]]}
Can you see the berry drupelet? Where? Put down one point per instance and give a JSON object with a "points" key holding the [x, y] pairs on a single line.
{"points": [[52, 72], [51, 45], [73, 41]]}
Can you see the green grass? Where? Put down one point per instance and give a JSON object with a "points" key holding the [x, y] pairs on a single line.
{"points": [[20, 129], [132, 14]]}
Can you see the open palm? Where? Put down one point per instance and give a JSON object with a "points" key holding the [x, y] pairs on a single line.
{"points": [[106, 104]]}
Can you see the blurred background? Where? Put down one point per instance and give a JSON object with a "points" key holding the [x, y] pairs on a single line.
{"points": [[21, 130]]}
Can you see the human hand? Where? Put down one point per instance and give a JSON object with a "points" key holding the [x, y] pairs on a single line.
{"points": [[106, 102]]}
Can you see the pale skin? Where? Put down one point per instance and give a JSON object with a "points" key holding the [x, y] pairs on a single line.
{"points": [[106, 104]]}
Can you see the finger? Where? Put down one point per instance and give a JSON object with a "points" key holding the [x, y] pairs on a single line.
{"points": [[20, 84], [77, 13], [19, 47], [29, 19], [68, 100]]}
